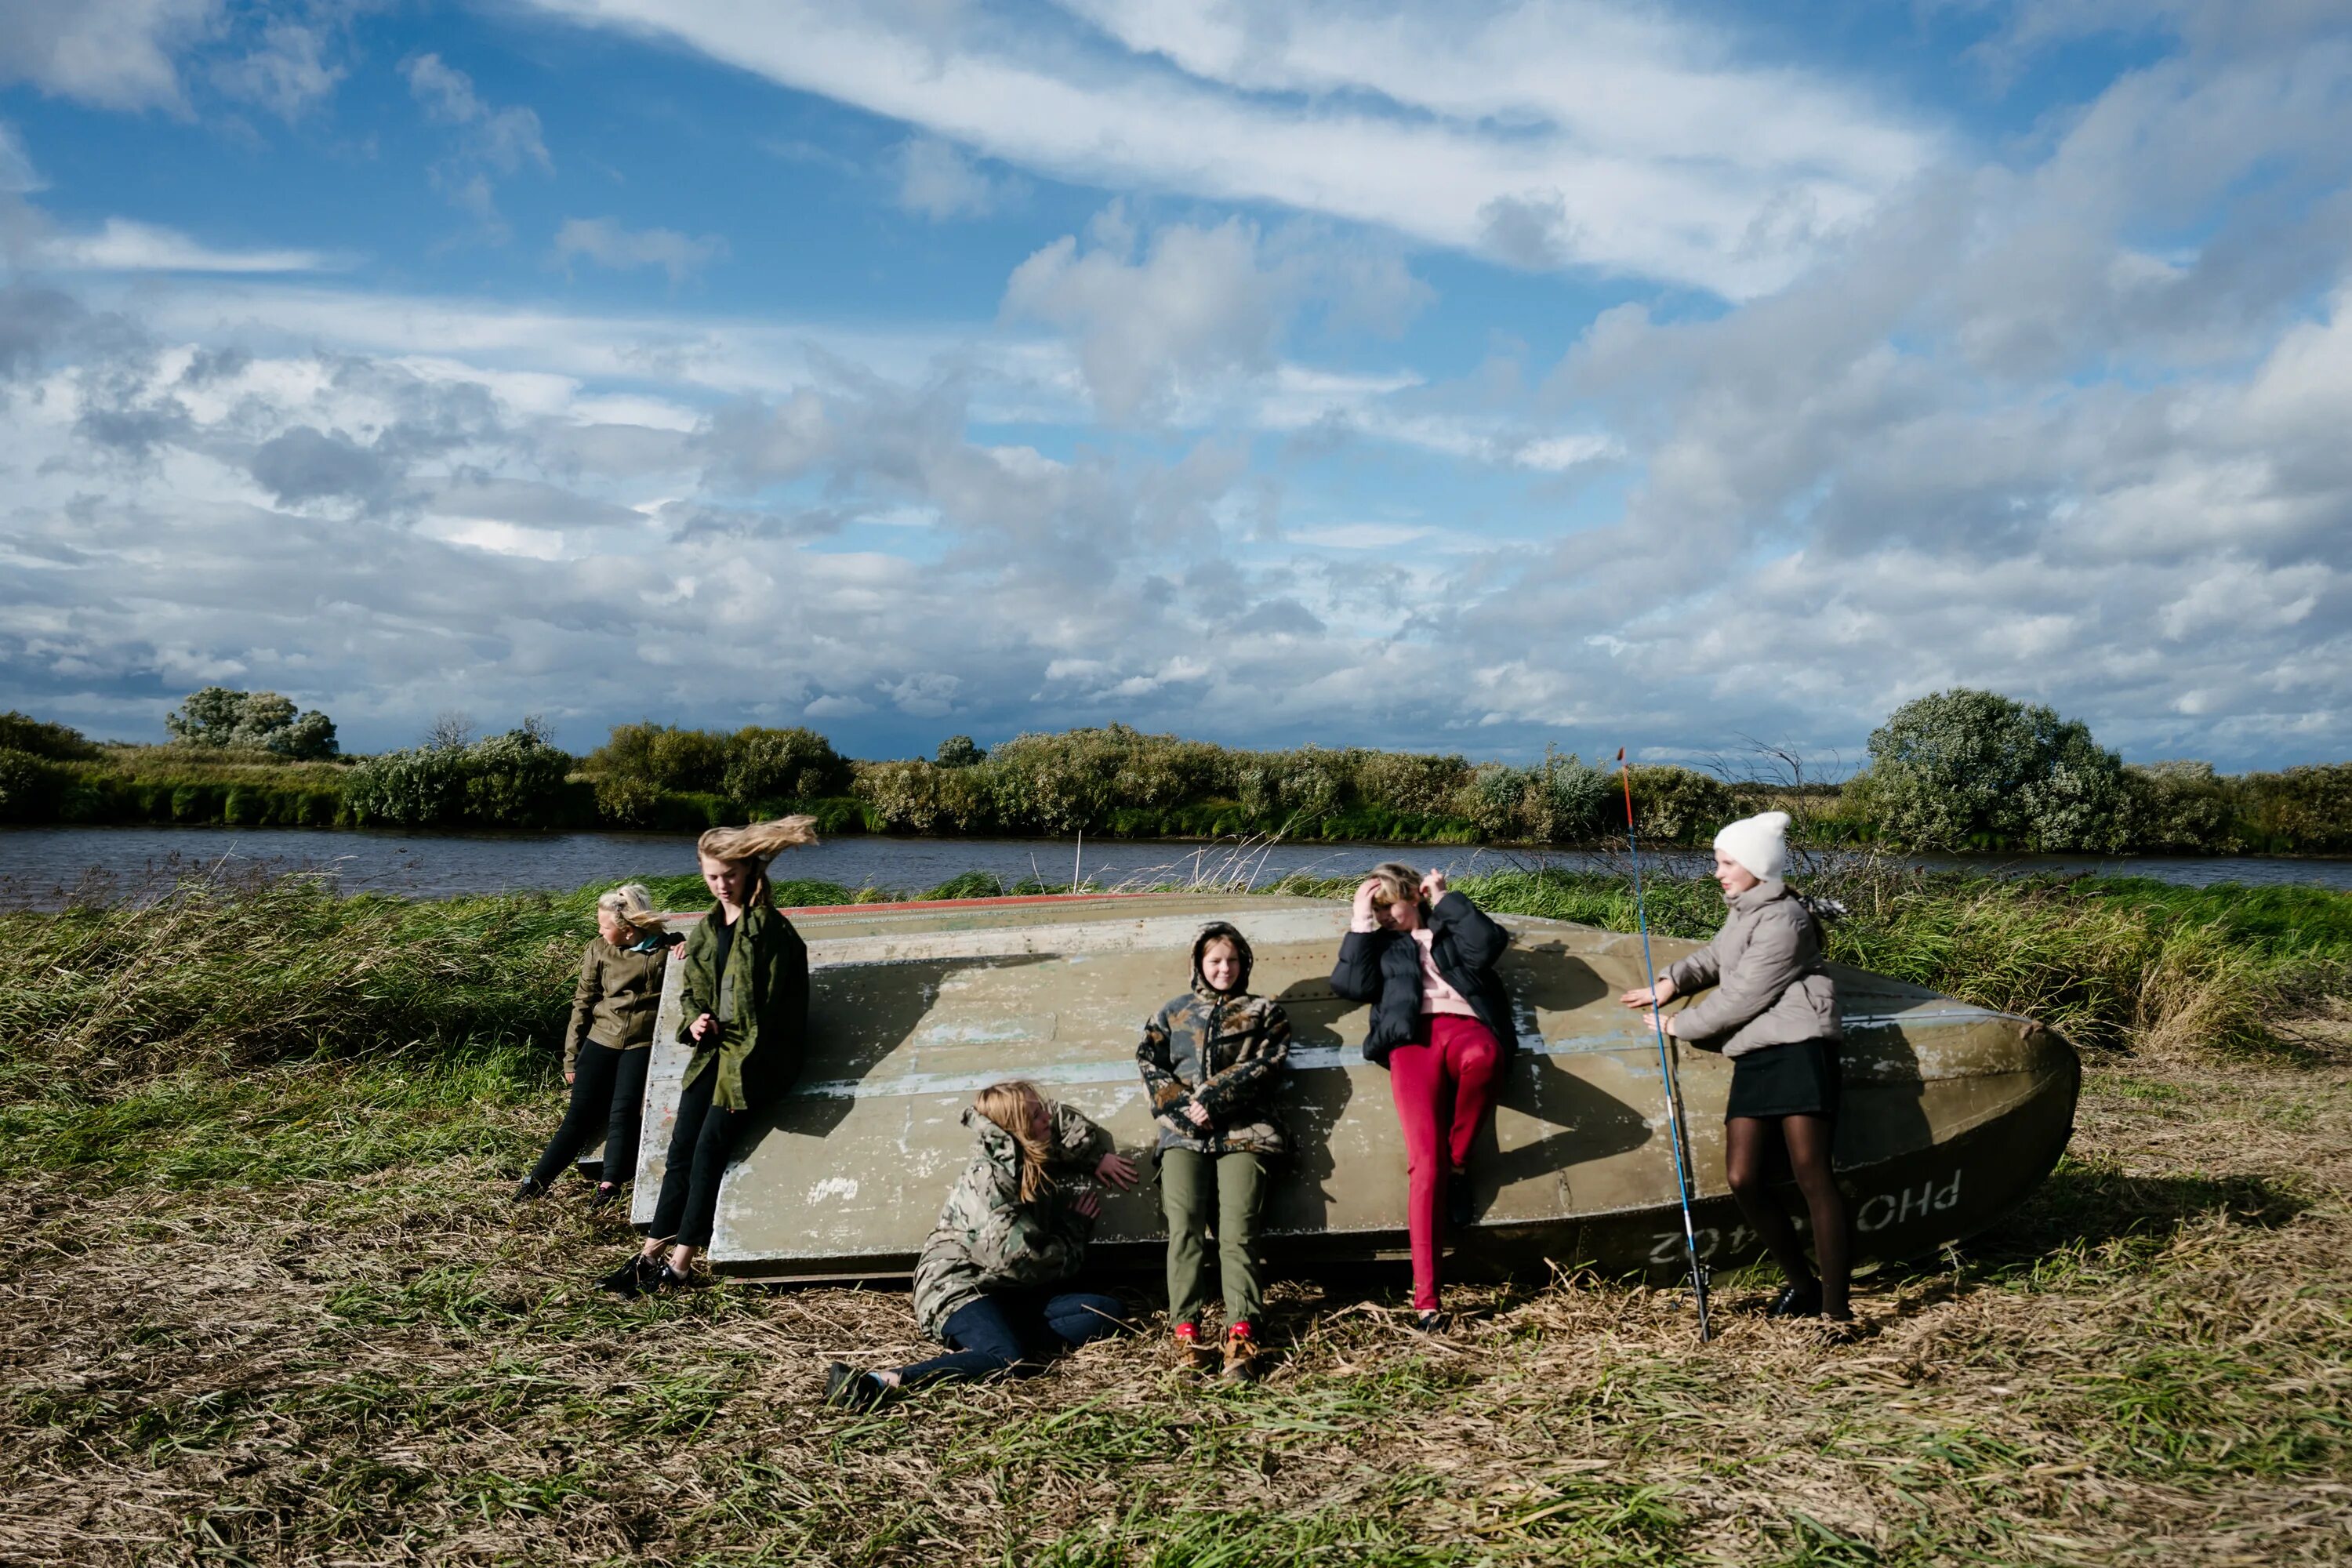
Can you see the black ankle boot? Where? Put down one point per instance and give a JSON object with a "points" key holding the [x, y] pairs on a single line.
{"points": [[530, 1190], [851, 1389], [636, 1278], [1798, 1301]]}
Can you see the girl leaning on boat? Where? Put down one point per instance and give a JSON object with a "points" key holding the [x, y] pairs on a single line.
{"points": [[608, 1042], [1425, 957], [744, 1006], [1211, 1059], [1773, 1012], [992, 1284]]}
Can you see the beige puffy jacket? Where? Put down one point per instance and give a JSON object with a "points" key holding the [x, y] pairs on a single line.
{"points": [[1766, 967]]}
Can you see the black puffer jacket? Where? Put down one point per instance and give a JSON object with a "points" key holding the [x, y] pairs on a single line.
{"points": [[1383, 967]]}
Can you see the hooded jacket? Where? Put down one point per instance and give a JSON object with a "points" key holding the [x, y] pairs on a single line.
{"points": [[1383, 968], [988, 1239], [760, 1003], [1223, 1051], [1766, 967]]}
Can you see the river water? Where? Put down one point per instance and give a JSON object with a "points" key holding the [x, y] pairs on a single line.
{"points": [[44, 868]]}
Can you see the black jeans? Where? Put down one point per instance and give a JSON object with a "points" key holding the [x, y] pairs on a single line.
{"points": [[699, 1146], [993, 1335], [608, 1095]]}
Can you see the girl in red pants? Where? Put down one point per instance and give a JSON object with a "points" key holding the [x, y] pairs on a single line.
{"points": [[1425, 958]]}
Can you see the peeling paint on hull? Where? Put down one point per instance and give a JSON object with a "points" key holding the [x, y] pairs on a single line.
{"points": [[1951, 1113]]}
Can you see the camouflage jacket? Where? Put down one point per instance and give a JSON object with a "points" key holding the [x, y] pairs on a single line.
{"points": [[988, 1239], [1223, 1054]]}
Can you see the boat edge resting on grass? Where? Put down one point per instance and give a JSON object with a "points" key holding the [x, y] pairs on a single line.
{"points": [[1953, 1114]]}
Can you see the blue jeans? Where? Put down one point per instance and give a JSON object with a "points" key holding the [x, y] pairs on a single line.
{"points": [[994, 1336]]}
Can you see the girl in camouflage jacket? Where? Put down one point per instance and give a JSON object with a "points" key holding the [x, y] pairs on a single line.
{"points": [[1211, 1059], [1014, 1228]]}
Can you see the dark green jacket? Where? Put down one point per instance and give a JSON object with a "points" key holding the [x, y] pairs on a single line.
{"points": [[762, 1013], [614, 1003]]}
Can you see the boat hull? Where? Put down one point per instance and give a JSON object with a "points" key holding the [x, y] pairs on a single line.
{"points": [[1950, 1115]]}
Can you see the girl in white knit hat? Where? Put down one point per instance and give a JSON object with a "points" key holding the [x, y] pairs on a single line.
{"points": [[1774, 1012]]}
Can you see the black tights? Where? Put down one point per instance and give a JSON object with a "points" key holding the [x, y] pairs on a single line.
{"points": [[608, 1095], [1750, 1143], [701, 1142]]}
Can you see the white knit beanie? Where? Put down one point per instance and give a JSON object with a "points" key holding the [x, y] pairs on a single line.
{"points": [[1760, 843]]}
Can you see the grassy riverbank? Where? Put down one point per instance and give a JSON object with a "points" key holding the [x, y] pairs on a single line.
{"points": [[268, 1305]]}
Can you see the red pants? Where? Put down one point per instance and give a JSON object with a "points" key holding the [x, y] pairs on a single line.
{"points": [[1444, 1087]]}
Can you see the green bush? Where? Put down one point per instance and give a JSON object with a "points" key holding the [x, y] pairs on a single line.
{"points": [[782, 764], [218, 716], [31, 786], [1964, 768], [38, 738], [2305, 810], [514, 780]]}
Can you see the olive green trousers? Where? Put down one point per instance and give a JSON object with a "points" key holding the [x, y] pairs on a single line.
{"points": [[1230, 1190]]}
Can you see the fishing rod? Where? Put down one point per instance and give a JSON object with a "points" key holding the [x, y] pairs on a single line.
{"points": [[1665, 1064]]}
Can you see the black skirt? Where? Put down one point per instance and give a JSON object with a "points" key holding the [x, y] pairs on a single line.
{"points": [[1801, 1079]]}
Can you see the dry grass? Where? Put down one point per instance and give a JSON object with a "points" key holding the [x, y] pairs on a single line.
{"points": [[267, 1305], [2151, 1364]]}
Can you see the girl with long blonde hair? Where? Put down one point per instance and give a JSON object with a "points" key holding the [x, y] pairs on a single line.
{"points": [[990, 1283], [609, 1042], [745, 1005]]}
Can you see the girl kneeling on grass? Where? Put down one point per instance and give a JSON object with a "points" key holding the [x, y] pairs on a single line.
{"points": [[1774, 1012], [1210, 1060], [745, 1002], [1425, 958], [1013, 1230], [609, 1043]]}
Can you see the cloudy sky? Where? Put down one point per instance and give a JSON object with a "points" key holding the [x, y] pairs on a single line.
{"points": [[1450, 375]]}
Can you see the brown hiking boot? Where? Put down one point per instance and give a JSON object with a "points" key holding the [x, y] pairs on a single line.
{"points": [[1193, 1354], [1241, 1353]]}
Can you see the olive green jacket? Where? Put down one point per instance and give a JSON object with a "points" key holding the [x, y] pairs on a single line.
{"points": [[761, 1005], [614, 1003], [988, 1239]]}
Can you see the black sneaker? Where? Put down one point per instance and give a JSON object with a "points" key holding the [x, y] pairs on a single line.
{"points": [[606, 1193], [1429, 1321], [1797, 1301], [530, 1190], [636, 1278], [1457, 1200], [851, 1389], [668, 1279]]}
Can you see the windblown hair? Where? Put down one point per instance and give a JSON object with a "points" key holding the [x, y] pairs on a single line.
{"points": [[1399, 884], [631, 903], [759, 842], [1015, 1106]]}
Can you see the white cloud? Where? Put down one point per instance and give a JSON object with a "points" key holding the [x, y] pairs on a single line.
{"points": [[110, 54], [121, 245], [605, 242], [1195, 305], [288, 74], [1362, 535], [17, 175], [938, 181], [506, 139], [1670, 163]]}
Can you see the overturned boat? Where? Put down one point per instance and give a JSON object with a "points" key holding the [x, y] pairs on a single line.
{"points": [[1951, 1113]]}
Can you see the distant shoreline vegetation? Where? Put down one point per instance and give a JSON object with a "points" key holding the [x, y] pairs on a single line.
{"points": [[1958, 771]]}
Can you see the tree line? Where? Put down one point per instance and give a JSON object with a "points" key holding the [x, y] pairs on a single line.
{"points": [[1960, 769]]}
